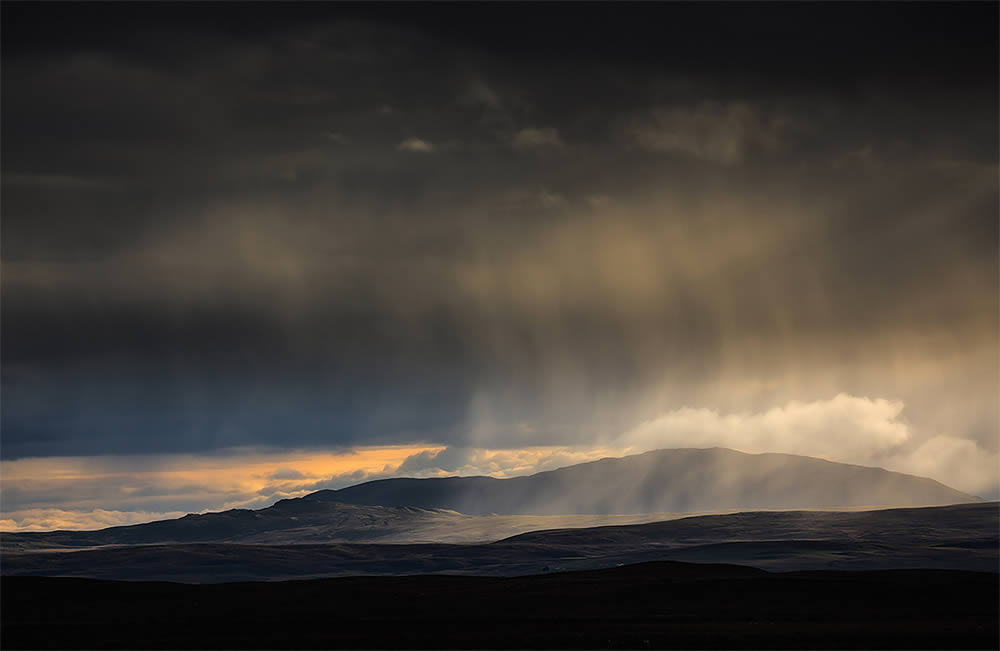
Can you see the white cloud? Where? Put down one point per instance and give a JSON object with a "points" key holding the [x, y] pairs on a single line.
{"points": [[846, 428], [843, 427], [536, 138], [957, 462], [415, 145], [90, 493]]}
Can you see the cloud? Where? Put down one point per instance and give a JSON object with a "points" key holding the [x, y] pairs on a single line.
{"points": [[182, 482], [479, 92], [958, 462], [465, 461], [712, 131], [415, 145], [60, 182], [249, 284], [448, 460], [537, 138], [845, 428], [96, 492], [287, 473], [497, 108], [56, 519], [86, 493]]}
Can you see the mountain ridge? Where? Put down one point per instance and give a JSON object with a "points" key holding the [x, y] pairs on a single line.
{"points": [[653, 486], [761, 481]]}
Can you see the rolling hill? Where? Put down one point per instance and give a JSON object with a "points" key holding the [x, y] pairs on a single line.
{"points": [[960, 537], [649, 487], [305, 521], [681, 480]]}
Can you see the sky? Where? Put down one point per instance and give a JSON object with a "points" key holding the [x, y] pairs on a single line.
{"points": [[252, 250]]}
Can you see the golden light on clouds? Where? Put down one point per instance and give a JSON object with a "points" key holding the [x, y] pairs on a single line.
{"points": [[250, 469], [152, 486], [248, 272], [98, 491], [119, 490]]}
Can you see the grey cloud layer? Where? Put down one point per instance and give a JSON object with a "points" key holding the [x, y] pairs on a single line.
{"points": [[364, 233]]}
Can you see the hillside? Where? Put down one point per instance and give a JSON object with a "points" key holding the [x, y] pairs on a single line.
{"points": [[682, 480], [288, 521], [961, 537], [655, 486], [302, 521]]}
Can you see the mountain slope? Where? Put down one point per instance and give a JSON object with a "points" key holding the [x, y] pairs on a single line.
{"points": [[958, 536], [288, 521], [300, 521], [662, 481], [654, 486]]}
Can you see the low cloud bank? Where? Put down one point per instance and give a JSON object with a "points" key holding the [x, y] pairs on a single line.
{"points": [[848, 429], [499, 463], [845, 428], [55, 519], [40, 494], [94, 492]]}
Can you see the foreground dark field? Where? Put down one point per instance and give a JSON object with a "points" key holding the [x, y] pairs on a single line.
{"points": [[657, 605], [959, 537]]}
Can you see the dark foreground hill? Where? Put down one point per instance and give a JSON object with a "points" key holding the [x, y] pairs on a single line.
{"points": [[662, 481], [951, 537], [653, 605]]}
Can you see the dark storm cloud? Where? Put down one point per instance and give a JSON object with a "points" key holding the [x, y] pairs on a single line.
{"points": [[312, 225]]}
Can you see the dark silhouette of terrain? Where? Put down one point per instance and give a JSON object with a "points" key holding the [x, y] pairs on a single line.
{"points": [[662, 481], [652, 605], [426, 510], [297, 521], [288, 521], [951, 537]]}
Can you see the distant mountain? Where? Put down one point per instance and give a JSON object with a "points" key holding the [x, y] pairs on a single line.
{"points": [[654, 486], [662, 481]]}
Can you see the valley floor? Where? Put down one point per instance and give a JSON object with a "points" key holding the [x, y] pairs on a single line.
{"points": [[959, 537]]}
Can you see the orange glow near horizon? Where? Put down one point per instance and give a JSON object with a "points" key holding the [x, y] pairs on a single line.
{"points": [[243, 478], [99, 491]]}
